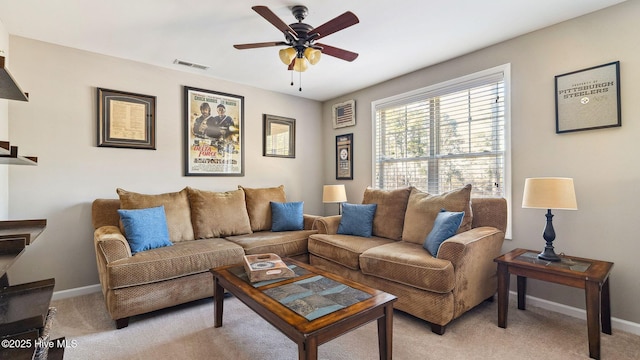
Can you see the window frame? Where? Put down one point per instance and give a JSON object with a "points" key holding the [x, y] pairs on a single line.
{"points": [[460, 83]]}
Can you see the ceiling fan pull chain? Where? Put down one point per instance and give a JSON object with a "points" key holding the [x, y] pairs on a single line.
{"points": [[300, 82], [291, 77]]}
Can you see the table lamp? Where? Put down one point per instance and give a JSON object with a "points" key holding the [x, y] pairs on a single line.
{"points": [[549, 193], [334, 194]]}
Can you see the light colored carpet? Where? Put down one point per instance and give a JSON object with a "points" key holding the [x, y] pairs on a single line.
{"points": [[187, 332]]}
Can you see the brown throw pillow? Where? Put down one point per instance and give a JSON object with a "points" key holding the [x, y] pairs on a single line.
{"points": [[392, 205], [423, 208], [259, 205], [218, 214], [176, 208]]}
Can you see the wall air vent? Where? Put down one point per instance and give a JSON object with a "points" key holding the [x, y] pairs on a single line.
{"points": [[190, 64]]}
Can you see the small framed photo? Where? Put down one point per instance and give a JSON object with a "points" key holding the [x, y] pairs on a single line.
{"points": [[588, 99], [344, 157], [278, 136], [344, 114], [214, 133], [126, 120]]}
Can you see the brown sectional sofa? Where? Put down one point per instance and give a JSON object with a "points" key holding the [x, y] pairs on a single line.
{"points": [[207, 229], [436, 289]]}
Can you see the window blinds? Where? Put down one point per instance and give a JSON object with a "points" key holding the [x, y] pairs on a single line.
{"points": [[443, 137]]}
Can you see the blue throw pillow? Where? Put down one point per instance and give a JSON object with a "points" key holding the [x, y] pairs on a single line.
{"points": [[287, 216], [357, 219], [145, 229], [445, 226]]}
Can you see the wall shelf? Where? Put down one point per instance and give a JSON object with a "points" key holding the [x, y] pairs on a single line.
{"points": [[9, 89], [9, 155]]}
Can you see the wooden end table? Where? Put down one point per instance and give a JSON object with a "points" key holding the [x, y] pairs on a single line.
{"points": [[308, 331], [590, 275]]}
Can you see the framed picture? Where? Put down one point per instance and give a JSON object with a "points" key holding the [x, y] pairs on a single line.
{"points": [[126, 120], [344, 157], [588, 99], [344, 114], [214, 133], [278, 136]]}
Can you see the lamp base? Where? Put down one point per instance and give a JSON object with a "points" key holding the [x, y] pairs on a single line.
{"points": [[548, 254], [549, 235]]}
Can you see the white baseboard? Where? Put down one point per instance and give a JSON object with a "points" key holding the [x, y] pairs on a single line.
{"points": [[64, 294], [617, 324]]}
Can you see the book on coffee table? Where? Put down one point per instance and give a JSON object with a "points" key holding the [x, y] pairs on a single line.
{"points": [[262, 267]]}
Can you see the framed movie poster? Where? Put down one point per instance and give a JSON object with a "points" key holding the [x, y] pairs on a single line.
{"points": [[344, 157], [588, 99], [214, 133]]}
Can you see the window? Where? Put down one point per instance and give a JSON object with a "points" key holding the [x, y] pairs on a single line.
{"points": [[445, 136]]}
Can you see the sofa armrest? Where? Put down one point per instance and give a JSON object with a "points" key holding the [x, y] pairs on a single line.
{"points": [[310, 221], [110, 244], [328, 224], [482, 244], [472, 253]]}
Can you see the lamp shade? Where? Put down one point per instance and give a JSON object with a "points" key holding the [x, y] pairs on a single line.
{"points": [[287, 55], [313, 55], [300, 64], [334, 194], [549, 193]]}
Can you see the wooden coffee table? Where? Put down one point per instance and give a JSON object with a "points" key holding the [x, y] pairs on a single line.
{"points": [[312, 308]]}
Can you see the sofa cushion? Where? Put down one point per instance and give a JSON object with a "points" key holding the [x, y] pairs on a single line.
{"points": [[218, 214], [181, 259], [407, 263], [286, 243], [287, 216], [145, 229], [176, 208], [423, 208], [357, 219], [259, 207], [392, 205], [445, 226], [343, 249]]}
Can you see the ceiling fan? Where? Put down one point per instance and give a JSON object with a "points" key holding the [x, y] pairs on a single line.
{"points": [[300, 38]]}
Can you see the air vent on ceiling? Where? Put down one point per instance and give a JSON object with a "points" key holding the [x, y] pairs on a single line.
{"points": [[190, 64]]}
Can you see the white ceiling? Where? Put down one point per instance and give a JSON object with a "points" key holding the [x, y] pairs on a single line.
{"points": [[392, 38]]}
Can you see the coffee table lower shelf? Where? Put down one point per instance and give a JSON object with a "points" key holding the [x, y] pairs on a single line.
{"points": [[308, 331]]}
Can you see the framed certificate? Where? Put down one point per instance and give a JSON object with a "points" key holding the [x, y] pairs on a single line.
{"points": [[126, 120]]}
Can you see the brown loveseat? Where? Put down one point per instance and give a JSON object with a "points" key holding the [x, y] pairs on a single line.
{"points": [[437, 289], [207, 229]]}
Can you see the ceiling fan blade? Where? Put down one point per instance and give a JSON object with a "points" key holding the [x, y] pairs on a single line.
{"points": [[336, 24], [274, 19], [259, 45], [337, 52]]}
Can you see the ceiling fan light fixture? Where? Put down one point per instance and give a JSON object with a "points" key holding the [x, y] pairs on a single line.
{"points": [[287, 55], [313, 55], [300, 64]]}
